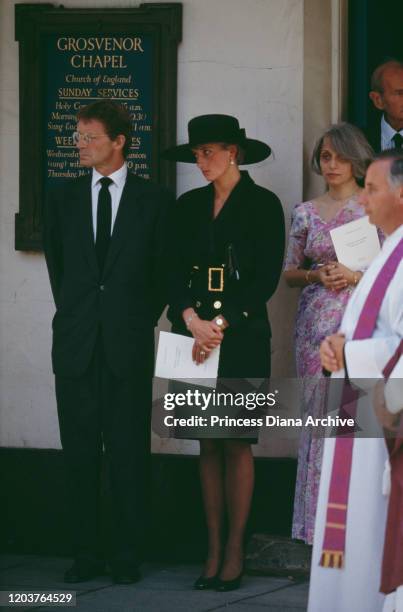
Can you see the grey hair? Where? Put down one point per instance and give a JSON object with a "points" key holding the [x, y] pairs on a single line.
{"points": [[377, 75], [350, 144], [395, 174]]}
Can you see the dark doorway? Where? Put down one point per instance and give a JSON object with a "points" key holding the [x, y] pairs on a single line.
{"points": [[375, 35]]}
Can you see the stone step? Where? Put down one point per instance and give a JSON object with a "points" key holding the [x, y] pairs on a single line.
{"points": [[278, 556]]}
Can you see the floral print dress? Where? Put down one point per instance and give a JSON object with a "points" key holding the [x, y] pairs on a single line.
{"points": [[319, 314]]}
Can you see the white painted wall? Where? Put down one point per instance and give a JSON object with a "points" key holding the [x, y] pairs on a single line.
{"points": [[237, 57]]}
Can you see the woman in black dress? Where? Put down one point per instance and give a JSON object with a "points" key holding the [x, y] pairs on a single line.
{"points": [[228, 244]]}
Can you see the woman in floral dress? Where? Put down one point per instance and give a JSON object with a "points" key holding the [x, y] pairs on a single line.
{"points": [[341, 156]]}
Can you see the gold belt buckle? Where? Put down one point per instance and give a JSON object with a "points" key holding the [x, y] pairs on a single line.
{"points": [[220, 272]]}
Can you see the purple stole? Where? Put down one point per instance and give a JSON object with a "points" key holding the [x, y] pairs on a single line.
{"points": [[334, 541]]}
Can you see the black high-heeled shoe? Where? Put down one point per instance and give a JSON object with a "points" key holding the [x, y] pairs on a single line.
{"points": [[203, 583], [229, 585]]}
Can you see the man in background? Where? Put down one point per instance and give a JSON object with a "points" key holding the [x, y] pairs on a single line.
{"points": [[387, 96]]}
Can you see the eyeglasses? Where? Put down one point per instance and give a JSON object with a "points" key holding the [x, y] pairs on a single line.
{"points": [[87, 138]]}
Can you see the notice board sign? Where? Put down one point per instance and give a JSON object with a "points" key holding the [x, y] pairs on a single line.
{"points": [[72, 57]]}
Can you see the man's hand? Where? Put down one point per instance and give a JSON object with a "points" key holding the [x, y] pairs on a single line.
{"points": [[331, 352], [387, 420]]}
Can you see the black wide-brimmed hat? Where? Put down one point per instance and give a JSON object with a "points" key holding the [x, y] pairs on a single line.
{"points": [[217, 128]]}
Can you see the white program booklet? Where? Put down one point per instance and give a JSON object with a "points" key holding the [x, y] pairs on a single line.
{"points": [[356, 243], [174, 361]]}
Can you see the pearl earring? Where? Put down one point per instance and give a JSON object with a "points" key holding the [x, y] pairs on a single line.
{"points": [[232, 162]]}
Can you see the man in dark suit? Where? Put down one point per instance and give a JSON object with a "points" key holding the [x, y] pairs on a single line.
{"points": [[387, 96], [104, 241]]}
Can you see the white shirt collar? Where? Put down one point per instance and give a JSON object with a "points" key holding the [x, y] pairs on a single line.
{"points": [[387, 130], [118, 177], [396, 235]]}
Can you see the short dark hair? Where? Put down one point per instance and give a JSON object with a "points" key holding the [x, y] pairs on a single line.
{"points": [[395, 156], [350, 143], [114, 117]]}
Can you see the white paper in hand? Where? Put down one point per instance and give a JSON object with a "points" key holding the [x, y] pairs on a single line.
{"points": [[356, 243], [174, 361]]}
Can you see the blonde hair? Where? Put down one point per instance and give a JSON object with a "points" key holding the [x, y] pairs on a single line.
{"points": [[240, 153]]}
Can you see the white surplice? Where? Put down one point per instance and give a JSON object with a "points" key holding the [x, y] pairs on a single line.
{"points": [[394, 403], [355, 588], [394, 389]]}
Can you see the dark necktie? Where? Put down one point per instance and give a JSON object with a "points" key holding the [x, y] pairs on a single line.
{"points": [[398, 140], [104, 220]]}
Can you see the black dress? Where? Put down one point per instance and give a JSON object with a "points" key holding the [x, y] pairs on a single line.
{"points": [[229, 265]]}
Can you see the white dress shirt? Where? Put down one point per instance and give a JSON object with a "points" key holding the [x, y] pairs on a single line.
{"points": [[387, 133], [115, 189]]}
